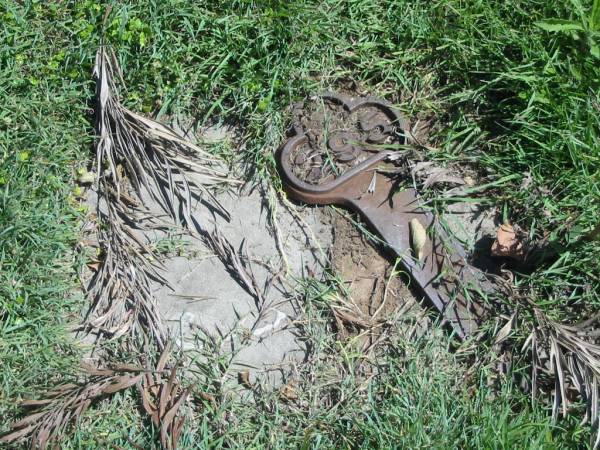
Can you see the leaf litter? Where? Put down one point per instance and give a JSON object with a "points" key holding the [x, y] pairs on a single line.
{"points": [[509, 243]]}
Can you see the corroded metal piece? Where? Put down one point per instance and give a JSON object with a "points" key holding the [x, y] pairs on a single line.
{"points": [[361, 149]]}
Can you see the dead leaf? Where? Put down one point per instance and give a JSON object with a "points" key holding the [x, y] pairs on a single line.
{"points": [[421, 166], [200, 395], [121, 384], [434, 175], [506, 329], [244, 378], [442, 176], [418, 238], [64, 405], [95, 265], [508, 244], [162, 398], [346, 317], [288, 391]]}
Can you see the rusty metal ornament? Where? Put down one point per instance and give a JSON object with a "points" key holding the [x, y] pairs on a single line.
{"points": [[342, 164]]}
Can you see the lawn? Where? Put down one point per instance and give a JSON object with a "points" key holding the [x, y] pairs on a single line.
{"points": [[512, 93]]}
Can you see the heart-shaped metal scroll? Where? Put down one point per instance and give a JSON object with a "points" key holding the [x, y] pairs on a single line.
{"points": [[338, 161]]}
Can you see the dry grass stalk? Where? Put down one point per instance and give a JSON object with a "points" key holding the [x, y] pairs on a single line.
{"points": [[162, 399], [64, 405]]}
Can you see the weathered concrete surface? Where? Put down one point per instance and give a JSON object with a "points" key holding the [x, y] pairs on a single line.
{"points": [[206, 298]]}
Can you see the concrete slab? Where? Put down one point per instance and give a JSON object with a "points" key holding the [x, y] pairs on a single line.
{"points": [[206, 298]]}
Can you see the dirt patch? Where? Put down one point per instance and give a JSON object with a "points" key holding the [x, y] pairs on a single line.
{"points": [[376, 293]]}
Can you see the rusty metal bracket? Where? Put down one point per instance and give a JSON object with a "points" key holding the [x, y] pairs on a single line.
{"points": [[343, 163]]}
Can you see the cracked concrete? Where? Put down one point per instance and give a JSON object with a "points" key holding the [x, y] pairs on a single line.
{"points": [[207, 299]]}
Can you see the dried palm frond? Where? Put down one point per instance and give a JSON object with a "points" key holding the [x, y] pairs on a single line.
{"points": [[137, 158], [162, 398], [563, 354], [237, 264], [64, 405], [122, 301], [154, 157], [161, 393], [565, 359]]}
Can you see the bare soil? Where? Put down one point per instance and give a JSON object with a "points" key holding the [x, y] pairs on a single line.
{"points": [[376, 293]]}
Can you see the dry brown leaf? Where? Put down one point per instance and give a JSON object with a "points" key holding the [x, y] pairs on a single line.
{"points": [[351, 319], [288, 391], [244, 378], [199, 395], [559, 352], [35, 403], [508, 243], [121, 384]]}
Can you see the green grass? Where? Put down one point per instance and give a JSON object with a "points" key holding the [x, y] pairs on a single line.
{"points": [[422, 397], [506, 96]]}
